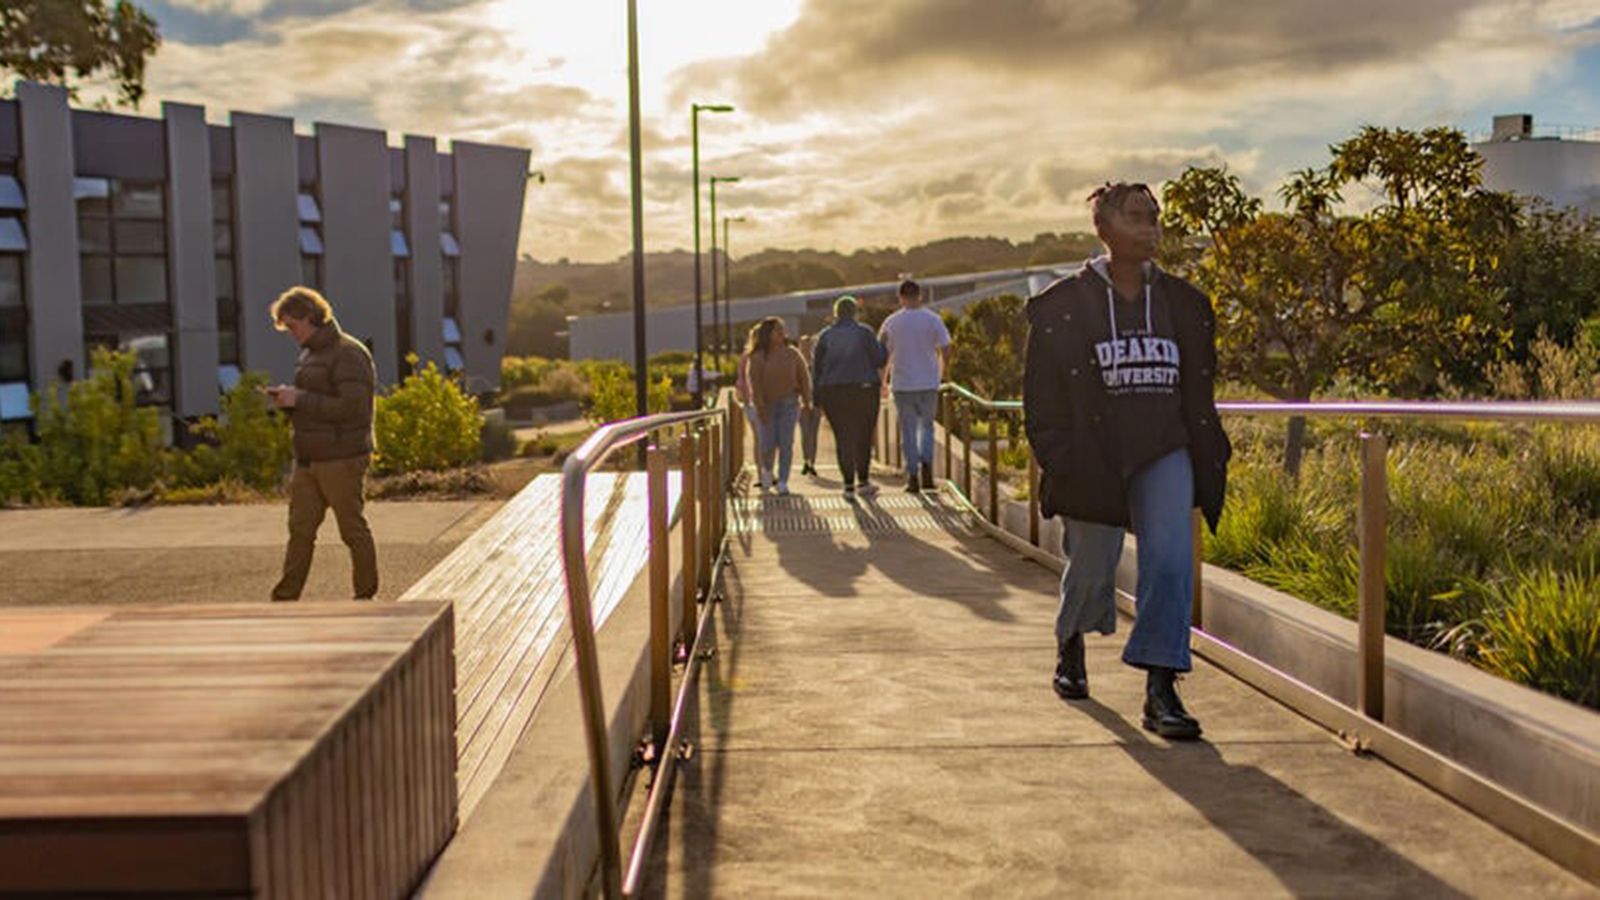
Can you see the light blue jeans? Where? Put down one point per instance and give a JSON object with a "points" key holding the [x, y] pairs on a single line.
{"points": [[775, 435], [916, 410], [1160, 500]]}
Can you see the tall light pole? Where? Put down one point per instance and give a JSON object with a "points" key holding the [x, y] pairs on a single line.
{"points": [[727, 285], [695, 109], [714, 180]]}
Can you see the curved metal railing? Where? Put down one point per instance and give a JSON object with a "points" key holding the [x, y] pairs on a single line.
{"points": [[705, 466]]}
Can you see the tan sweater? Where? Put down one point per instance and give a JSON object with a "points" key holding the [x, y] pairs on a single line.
{"points": [[777, 375]]}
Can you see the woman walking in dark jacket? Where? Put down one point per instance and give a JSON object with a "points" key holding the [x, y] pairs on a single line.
{"points": [[1121, 416], [847, 370]]}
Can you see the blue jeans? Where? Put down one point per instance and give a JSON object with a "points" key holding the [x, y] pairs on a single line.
{"points": [[916, 410], [1160, 500], [775, 436]]}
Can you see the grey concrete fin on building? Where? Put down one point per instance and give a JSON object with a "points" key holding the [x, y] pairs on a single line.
{"points": [[490, 187], [353, 185], [266, 241]]}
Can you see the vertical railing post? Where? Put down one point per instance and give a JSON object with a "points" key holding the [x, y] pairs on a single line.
{"points": [[707, 516], [1374, 524], [735, 437], [688, 454], [1197, 532], [899, 451], [718, 458], [945, 404], [994, 468], [889, 429], [1033, 500], [966, 453], [660, 599]]}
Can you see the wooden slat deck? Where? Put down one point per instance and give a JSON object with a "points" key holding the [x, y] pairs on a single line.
{"points": [[296, 750], [507, 586]]}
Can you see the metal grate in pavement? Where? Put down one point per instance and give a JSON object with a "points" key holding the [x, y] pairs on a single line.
{"points": [[798, 514]]}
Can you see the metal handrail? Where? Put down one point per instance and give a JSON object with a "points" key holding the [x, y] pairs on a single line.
{"points": [[1363, 722], [574, 479], [1580, 411], [950, 387], [1373, 499]]}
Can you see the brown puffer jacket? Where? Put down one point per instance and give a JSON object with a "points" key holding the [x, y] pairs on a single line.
{"points": [[333, 412]]}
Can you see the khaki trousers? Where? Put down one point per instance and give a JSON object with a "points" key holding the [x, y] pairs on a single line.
{"points": [[313, 489]]}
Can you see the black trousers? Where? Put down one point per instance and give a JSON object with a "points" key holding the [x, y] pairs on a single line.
{"points": [[852, 411]]}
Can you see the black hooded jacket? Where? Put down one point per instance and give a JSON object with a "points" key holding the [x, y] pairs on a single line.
{"points": [[1068, 405]]}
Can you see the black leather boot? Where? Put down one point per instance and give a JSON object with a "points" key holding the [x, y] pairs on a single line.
{"points": [[1072, 678], [1163, 711]]}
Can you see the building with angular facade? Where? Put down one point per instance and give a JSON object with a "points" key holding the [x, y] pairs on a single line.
{"points": [[171, 237]]}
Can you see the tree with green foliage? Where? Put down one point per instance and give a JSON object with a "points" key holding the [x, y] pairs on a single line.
{"points": [[1404, 296], [1550, 274], [72, 42], [986, 346]]}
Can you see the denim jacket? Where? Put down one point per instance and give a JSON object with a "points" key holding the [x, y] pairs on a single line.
{"points": [[847, 352]]}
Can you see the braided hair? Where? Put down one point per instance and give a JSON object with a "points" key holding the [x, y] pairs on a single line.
{"points": [[1113, 194]]}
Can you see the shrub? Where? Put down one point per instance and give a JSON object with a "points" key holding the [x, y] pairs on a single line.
{"points": [[426, 423], [524, 371], [95, 444], [458, 482], [249, 442], [227, 490], [613, 396], [1542, 628]]}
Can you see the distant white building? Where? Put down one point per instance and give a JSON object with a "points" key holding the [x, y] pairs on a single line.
{"points": [[610, 336], [1561, 165]]}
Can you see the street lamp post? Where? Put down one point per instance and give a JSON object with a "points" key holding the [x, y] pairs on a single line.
{"points": [[714, 180], [695, 109], [727, 285]]}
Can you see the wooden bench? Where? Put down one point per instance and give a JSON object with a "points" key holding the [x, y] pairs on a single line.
{"points": [[294, 750]]}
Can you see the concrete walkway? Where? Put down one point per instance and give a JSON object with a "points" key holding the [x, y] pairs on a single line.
{"points": [[878, 721], [210, 553]]}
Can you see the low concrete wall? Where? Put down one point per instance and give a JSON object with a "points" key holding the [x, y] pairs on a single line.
{"points": [[1539, 747]]}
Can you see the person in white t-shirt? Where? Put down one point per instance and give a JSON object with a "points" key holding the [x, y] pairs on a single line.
{"points": [[919, 348]]}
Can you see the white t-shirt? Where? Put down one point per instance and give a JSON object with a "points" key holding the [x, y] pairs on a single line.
{"points": [[913, 337]]}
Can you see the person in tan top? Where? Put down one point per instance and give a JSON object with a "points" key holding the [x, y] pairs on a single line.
{"points": [[775, 380]]}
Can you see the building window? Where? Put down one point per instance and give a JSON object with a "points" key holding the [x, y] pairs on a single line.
{"points": [[122, 241], [152, 363], [311, 269], [13, 336], [10, 281], [13, 299], [11, 196], [122, 261], [450, 256], [228, 352]]}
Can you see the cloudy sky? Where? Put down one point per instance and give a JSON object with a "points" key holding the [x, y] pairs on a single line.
{"points": [[880, 122]]}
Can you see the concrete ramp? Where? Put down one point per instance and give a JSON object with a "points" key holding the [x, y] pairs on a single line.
{"points": [[878, 721]]}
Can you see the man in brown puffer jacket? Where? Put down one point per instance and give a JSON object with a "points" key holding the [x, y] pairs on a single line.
{"points": [[330, 408]]}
